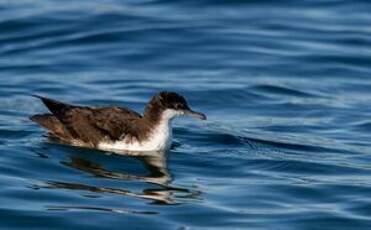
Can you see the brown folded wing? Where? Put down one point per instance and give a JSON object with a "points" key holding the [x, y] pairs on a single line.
{"points": [[89, 125]]}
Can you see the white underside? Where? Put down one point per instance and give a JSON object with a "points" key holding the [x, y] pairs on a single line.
{"points": [[160, 139]]}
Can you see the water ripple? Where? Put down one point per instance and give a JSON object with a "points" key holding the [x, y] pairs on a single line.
{"points": [[285, 86]]}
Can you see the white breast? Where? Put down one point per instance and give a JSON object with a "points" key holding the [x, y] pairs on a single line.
{"points": [[159, 139]]}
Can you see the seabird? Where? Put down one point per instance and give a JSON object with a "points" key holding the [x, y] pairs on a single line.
{"points": [[116, 128]]}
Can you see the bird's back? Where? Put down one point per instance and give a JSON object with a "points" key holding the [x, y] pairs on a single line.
{"points": [[86, 125]]}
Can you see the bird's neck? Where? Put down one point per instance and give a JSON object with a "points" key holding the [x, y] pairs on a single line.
{"points": [[157, 119], [159, 132]]}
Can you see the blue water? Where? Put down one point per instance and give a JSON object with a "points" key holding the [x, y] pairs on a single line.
{"points": [[286, 86]]}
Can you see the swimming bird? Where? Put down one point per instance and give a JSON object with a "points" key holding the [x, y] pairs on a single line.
{"points": [[116, 128]]}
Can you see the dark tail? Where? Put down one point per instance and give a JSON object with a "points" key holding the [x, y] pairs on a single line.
{"points": [[56, 107]]}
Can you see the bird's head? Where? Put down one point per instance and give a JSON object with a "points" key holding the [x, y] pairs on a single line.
{"points": [[170, 105]]}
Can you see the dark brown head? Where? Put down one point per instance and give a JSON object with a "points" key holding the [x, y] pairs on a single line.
{"points": [[170, 104]]}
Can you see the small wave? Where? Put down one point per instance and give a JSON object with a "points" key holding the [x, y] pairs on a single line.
{"points": [[233, 138], [281, 90], [14, 134], [301, 167], [364, 126], [97, 209]]}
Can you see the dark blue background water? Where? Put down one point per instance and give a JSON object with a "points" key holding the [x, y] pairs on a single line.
{"points": [[286, 86]]}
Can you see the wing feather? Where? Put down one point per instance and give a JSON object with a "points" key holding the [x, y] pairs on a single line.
{"points": [[92, 125]]}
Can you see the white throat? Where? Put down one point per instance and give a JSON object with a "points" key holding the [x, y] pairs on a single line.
{"points": [[159, 139], [170, 114]]}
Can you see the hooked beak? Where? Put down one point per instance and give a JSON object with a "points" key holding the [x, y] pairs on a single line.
{"points": [[195, 114]]}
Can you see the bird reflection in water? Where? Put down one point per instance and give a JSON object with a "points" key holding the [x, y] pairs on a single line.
{"points": [[158, 175]]}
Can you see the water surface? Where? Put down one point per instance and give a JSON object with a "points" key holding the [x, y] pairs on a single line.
{"points": [[286, 86]]}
